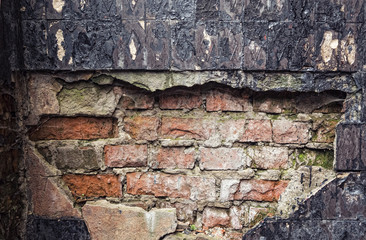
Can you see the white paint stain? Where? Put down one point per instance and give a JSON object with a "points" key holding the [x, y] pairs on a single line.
{"points": [[327, 46], [150, 219], [142, 24], [133, 50], [208, 39], [133, 2], [60, 48], [58, 5], [70, 61], [82, 4], [348, 49]]}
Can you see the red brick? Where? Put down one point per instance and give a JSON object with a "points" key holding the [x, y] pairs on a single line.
{"points": [[142, 127], [215, 217], [174, 186], [187, 128], [175, 157], [269, 157], [92, 186], [260, 190], [180, 99], [125, 156], [222, 158], [133, 99], [285, 131], [221, 100], [276, 103], [257, 131], [83, 128]]}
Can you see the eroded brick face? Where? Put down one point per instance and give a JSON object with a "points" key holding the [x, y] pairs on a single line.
{"points": [[174, 157], [125, 156], [285, 131], [63, 128], [142, 127]]}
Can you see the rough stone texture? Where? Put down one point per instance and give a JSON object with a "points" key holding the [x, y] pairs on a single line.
{"points": [[53, 229], [125, 156], [174, 186], [276, 103], [285, 131], [70, 157], [349, 152], [47, 199], [231, 130], [269, 157], [63, 128], [223, 159], [334, 212], [141, 127], [87, 99], [223, 100], [174, 157], [214, 217], [133, 98], [257, 131], [83, 187], [186, 128], [116, 221]]}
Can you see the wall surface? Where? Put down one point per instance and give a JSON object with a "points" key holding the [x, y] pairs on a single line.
{"points": [[186, 119]]}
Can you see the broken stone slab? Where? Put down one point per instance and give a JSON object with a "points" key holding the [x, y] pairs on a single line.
{"points": [[116, 221]]}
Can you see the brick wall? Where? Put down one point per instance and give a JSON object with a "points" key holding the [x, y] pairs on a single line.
{"points": [[223, 158]]}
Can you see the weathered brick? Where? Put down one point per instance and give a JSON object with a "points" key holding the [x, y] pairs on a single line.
{"points": [[252, 190], [231, 130], [174, 186], [238, 215], [70, 157], [256, 214], [325, 131], [84, 128], [185, 211], [93, 186], [142, 127], [47, 198], [257, 131], [174, 157], [215, 217], [180, 99], [285, 131], [275, 103], [107, 220], [187, 128], [125, 156], [223, 158], [224, 100], [260, 190], [134, 99], [269, 157]]}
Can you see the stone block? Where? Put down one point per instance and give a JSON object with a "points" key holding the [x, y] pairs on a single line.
{"points": [[183, 46], [206, 45], [125, 156], [266, 11], [83, 128], [133, 10], [207, 10], [173, 186], [85, 187], [255, 45], [158, 44], [182, 10], [349, 54], [231, 10], [157, 9], [348, 147], [223, 159], [115, 221], [32, 10], [142, 127], [230, 45]]}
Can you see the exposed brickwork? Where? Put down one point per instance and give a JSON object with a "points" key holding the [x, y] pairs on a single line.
{"points": [[213, 217], [142, 128], [180, 100], [187, 128], [63, 128], [285, 131], [134, 99], [125, 156], [174, 186], [221, 100], [93, 186], [174, 157], [269, 157], [257, 131], [223, 158]]}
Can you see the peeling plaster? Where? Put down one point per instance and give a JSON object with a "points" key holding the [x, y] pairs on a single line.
{"points": [[58, 5], [60, 48]]}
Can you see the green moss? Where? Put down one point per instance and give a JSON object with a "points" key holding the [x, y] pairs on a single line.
{"points": [[324, 159], [273, 116]]}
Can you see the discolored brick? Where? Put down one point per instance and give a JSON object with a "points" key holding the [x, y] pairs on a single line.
{"points": [[285, 131], [174, 157], [142, 127], [257, 131], [125, 155]]}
